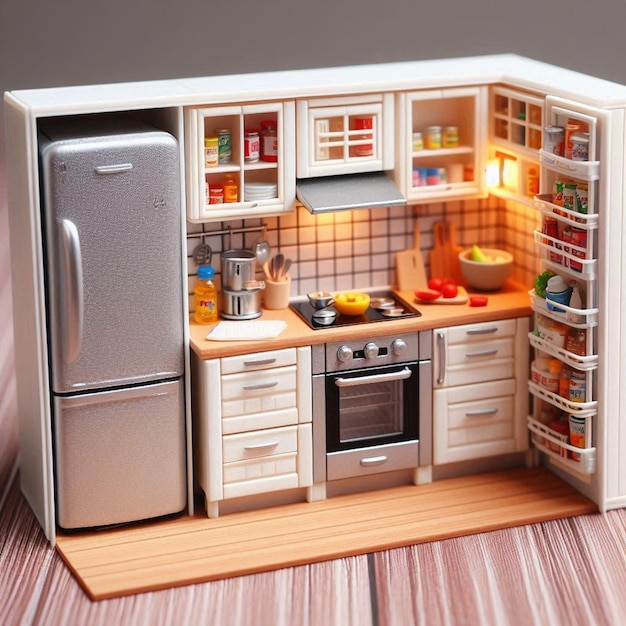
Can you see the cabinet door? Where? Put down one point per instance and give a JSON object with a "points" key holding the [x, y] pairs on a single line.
{"points": [[450, 170], [345, 135], [263, 187]]}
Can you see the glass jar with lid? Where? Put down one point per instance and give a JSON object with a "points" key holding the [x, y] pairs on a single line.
{"points": [[269, 141]]}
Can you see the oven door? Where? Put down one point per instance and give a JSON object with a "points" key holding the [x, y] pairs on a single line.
{"points": [[372, 406]]}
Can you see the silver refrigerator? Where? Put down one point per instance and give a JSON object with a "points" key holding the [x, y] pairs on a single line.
{"points": [[114, 301]]}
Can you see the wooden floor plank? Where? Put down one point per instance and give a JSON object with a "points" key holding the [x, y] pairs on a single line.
{"points": [[188, 550]]}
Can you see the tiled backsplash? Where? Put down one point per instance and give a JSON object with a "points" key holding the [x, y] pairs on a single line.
{"points": [[356, 249]]}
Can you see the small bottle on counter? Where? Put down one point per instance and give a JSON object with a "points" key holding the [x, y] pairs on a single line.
{"points": [[205, 296]]}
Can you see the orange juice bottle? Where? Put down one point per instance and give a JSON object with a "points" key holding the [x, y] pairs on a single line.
{"points": [[205, 296]]}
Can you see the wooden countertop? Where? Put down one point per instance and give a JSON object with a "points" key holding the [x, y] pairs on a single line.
{"points": [[511, 301]]}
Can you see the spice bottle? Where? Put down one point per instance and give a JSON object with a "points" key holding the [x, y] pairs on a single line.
{"points": [[205, 296], [231, 190], [269, 141]]}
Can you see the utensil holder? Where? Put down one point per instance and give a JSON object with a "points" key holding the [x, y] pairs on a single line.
{"points": [[276, 294]]}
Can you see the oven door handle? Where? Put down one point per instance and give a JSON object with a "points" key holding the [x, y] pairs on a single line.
{"points": [[375, 378]]}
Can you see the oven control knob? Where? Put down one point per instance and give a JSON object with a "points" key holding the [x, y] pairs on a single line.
{"points": [[371, 350], [344, 354], [398, 347]]}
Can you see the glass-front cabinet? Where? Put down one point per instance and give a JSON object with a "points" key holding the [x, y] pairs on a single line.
{"points": [[516, 120], [240, 160], [442, 143], [345, 135]]}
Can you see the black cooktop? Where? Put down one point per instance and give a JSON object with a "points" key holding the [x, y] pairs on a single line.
{"points": [[373, 314]]}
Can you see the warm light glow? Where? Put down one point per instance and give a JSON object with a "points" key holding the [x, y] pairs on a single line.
{"points": [[492, 173], [509, 174]]}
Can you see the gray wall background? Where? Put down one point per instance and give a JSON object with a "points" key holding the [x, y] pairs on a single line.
{"points": [[72, 42]]}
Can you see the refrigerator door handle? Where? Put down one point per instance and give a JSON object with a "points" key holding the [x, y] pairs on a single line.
{"points": [[72, 289]]}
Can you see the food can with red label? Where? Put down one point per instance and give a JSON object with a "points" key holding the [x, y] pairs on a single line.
{"points": [[216, 194], [251, 146], [578, 238]]}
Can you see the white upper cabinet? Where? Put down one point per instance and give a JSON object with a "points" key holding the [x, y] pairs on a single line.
{"points": [[441, 145], [345, 135], [246, 175]]}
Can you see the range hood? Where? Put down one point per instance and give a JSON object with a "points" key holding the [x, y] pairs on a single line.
{"points": [[369, 190]]}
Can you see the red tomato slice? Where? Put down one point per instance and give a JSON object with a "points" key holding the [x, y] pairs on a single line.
{"points": [[478, 301], [428, 294]]}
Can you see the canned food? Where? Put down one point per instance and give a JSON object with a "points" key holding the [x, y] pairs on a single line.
{"points": [[366, 149], [433, 138], [557, 193], [224, 146], [251, 146], [450, 137], [580, 147], [554, 138], [216, 194], [577, 434], [571, 128], [578, 238], [582, 201], [210, 152], [418, 142], [569, 196], [432, 176]]}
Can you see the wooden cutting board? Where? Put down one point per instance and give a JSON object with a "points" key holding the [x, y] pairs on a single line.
{"points": [[410, 272], [444, 257]]}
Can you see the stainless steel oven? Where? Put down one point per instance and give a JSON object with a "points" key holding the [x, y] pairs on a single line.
{"points": [[372, 406]]}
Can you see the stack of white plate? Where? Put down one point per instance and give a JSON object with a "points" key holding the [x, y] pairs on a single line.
{"points": [[259, 191]]}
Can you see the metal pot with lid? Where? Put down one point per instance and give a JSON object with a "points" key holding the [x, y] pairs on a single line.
{"points": [[238, 267]]}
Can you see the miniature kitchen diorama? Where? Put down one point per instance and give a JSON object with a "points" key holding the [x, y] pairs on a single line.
{"points": [[240, 290]]}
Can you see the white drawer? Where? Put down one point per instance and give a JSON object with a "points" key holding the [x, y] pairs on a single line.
{"points": [[259, 392], [481, 331], [468, 363], [258, 361], [246, 421], [257, 444]]}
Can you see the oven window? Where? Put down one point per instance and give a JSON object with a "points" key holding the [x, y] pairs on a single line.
{"points": [[371, 407], [370, 411]]}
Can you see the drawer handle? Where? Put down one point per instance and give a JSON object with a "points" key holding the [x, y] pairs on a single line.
{"points": [[260, 446], [482, 331], [482, 353], [373, 461], [259, 362], [479, 412], [260, 386]]}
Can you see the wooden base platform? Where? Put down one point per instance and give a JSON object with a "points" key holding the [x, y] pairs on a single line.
{"points": [[195, 549]]}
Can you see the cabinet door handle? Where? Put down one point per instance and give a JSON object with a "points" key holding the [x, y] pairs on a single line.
{"points": [[260, 386], [482, 331], [373, 461], [441, 346], [481, 353], [479, 412], [259, 362], [260, 446]]}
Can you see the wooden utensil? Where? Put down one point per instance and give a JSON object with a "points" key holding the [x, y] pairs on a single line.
{"points": [[444, 257], [410, 272]]}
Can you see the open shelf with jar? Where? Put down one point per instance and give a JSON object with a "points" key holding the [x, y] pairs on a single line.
{"points": [[442, 144], [240, 161]]}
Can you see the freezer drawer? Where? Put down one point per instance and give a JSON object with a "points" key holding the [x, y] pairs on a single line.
{"points": [[120, 455]]}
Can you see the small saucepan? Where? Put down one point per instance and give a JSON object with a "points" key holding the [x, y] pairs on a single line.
{"points": [[320, 299]]}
